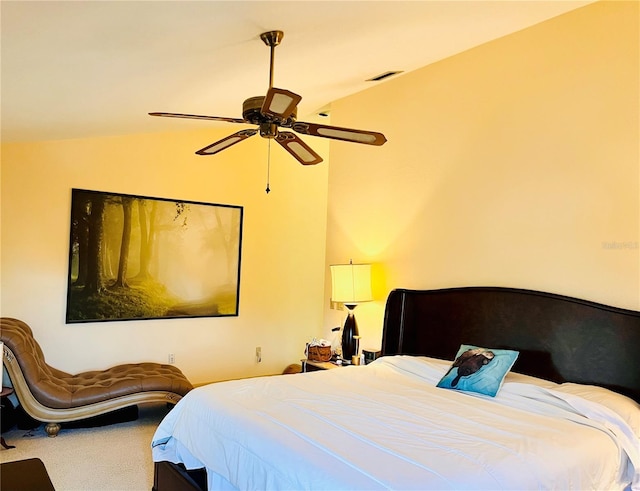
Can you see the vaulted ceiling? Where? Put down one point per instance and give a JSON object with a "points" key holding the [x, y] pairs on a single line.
{"points": [[88, 68]]}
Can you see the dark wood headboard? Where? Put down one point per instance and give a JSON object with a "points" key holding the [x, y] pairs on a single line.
{"points": [[559, 338]]}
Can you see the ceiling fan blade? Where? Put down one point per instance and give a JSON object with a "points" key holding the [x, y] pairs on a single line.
{"points": [[299, 149], [337, 133], [279, 103], [196, 116], [226, 142]]}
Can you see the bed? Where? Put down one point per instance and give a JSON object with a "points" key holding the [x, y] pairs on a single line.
{"points": [[564, 415]]}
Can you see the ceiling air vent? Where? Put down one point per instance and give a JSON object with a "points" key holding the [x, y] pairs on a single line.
{"points": [[382, 76]]}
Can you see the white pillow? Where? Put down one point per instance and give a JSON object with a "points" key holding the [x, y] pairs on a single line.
{"points": [[625, 407], [528, 379]]}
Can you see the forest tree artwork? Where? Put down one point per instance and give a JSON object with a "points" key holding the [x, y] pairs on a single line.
{"points": [[134, 257]]}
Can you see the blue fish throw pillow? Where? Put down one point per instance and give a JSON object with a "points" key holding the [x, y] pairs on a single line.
{"points": [[479, 370]]}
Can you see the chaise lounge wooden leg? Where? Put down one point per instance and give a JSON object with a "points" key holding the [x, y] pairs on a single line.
{"points": [[52, 429]]}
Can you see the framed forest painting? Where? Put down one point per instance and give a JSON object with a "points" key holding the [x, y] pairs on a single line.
{"points": [[136, 257]]}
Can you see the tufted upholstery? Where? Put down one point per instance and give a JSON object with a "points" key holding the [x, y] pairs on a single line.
{"points": [[85, 388], [59, 396]]}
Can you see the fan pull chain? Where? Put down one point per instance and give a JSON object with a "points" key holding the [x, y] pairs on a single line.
{"points": [[268, 165]]}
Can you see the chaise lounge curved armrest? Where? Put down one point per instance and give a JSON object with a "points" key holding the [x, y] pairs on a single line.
{"points": [[53, 396]]}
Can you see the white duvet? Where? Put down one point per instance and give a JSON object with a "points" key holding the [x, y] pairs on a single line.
{"points": [[386, 426]]}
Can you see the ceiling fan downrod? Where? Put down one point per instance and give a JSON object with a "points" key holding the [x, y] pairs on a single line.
{"points": [[272, 39]]}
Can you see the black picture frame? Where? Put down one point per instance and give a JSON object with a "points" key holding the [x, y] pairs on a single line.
{"points": [[139, 257]]}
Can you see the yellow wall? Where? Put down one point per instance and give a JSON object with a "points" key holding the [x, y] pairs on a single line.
{"points": [[513, 164], [282, 250]]}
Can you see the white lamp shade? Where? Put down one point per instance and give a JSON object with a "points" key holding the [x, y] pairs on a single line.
{"points": [[351, 283]]}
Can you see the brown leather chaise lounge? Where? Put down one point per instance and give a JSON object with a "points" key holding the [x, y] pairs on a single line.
{"points": [[53, 396]]}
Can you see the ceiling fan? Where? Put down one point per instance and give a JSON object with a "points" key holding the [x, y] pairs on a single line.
{"points": [[275, 111]]}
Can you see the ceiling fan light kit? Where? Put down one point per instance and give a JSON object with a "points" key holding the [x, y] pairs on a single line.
{"points": [[276, 110]]}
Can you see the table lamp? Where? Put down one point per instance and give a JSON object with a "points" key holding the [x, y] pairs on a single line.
{"points": [[350, 285]]}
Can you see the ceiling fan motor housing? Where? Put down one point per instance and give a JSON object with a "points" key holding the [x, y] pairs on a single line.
{"points": [[251, 112]]}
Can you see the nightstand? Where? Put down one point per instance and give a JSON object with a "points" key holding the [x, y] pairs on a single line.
{"points": [[313, 366]]}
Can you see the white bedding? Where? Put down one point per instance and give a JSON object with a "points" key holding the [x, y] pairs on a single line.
{"points": [[386, 426]]}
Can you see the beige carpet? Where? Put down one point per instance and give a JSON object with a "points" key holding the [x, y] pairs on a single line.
{"points": [[112, 458]]}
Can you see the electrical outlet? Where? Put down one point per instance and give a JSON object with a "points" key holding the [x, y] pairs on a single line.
{"points": [[172, 358], [258, 354]]}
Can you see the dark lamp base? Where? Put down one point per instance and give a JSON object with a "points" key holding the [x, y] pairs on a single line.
{"points": [[349, 343]]}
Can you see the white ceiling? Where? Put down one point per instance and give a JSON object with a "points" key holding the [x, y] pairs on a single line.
{"points": [[86, 68]]}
